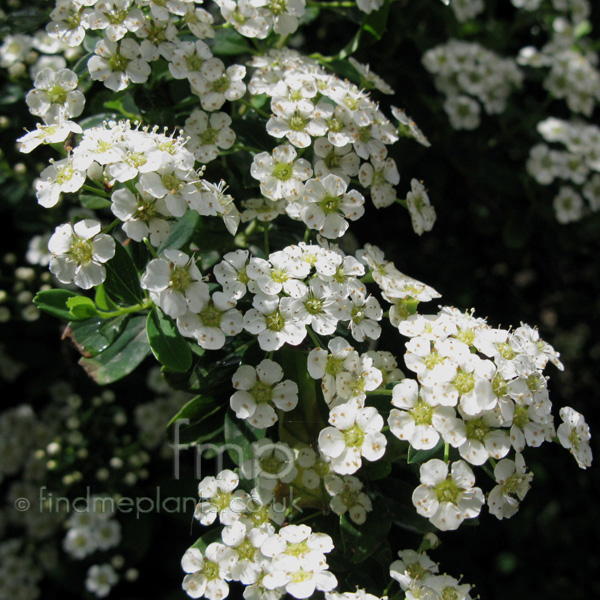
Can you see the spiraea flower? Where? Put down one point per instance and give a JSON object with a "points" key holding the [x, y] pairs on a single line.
{"points": [[260, 389], [446, 495], [175, 283], [513, 484], [79, 252], [574, 435], [356, 433]]}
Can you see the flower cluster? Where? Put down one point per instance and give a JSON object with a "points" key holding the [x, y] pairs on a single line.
{"points": [[267, 560], [578, 164], [466, 72]]}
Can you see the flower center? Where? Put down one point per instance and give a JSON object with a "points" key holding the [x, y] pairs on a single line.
{"points": [[464, 382], [221, 85], [477, 429], [297, 122], [314, 305], [193, 62], [210, 136], [261, 392], [283, 171], [330, 204], [118, 62], [211, 316], [448, 491], [422, 413], [275, 321], [180, 279], [82, 251], [354, 437], [521, 417]]}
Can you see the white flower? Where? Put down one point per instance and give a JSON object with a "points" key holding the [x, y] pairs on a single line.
{"points": [[118, 64], [463, 112], [271, 463], [231, 273], [298, 561], [47, 134], [574, 434], [412, 566], [142, 215], [60, 177], [368, 79], [210, 323], [208, 134], [297, 125], [219, 497], [207, 573], [55, 96], [100, 579], [217, 84], [419, 422], [568, 205], [339, 160], [347, 497], [175, 283], [281, 174], [407, 127], [513, 484], [368, 6], [116, 18], [447, 496], [259, 389], [422, 214], [326, 203], [79, 252], [380, 175], [356, 432]]}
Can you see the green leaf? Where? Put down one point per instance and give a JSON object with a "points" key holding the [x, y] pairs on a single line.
{"points": [[54, 302], [196, 410], [361, 541], [122, 356], [168, 345], [239, 437], [125, 105], [205, 420], [103, 302], [94, 335], [371, 30], [181, 232], [228, 42], [94, 202], [375, 470], [122, 279], [419, 456], [81, 307]]}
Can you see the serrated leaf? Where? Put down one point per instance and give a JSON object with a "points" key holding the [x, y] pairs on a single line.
{"points": [[167, 344], [122, 280], [54, 302], [122, 356], [94, 335], [181, 232], [419, 456], [81, 307]]}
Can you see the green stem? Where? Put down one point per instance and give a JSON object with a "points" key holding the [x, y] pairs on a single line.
{"points": [[342, 4], [266, 231], [95, 190], [110, 227], [446, 452], [258, 110], [125, 310], [380, 392], [314, 338], [151, 248]]}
